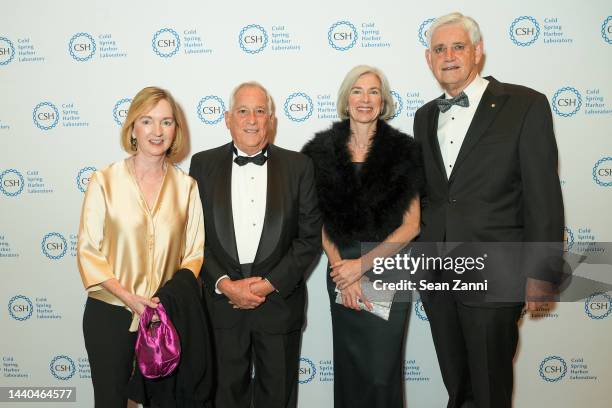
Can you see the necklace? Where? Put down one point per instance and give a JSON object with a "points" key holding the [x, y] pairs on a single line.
{"points": [[360, 146]]}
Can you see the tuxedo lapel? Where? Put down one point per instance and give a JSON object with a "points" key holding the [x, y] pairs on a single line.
{"points": [[491, 103], [432, 132], [224, 220], [270, 235]]}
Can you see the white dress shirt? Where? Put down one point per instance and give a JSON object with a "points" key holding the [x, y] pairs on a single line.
{"points": [[249, 191], [455, 122]]}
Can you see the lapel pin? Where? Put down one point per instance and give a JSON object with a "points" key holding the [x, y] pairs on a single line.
{"points": [[492, 105]]}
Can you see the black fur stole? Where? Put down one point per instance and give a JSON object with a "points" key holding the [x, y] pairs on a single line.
{"points": [[368, 206]]}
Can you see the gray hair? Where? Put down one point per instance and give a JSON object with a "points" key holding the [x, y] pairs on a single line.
{"points": [[349, 80], [469, 24], [254, 84]]}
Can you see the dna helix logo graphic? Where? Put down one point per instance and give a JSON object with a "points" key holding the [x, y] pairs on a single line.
{"points": [[524, 31], [166, 43], [253, 39], [82, 47], [298, 107], [11, 182], [211, 109], [7, 51], [342, 35]]}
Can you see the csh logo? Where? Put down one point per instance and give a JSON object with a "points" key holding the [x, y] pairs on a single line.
{"points": [[398, 104], [120, 110], [342, 35], [7, 51], [82, 47], [553, 369], [602, 172], [298, 107], [606, 30], [253, 38], [20, 308], [568, 239], [54, 245], [62, 367], [420, 310], [11, 182], [211, 109], [82, 178], [423, 30], [307, 371], [524, 31], [566, 101], [166, 42], [45, 116], [598, 306]]}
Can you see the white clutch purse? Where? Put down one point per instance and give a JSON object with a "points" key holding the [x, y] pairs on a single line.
{"points": [[381, 300]]}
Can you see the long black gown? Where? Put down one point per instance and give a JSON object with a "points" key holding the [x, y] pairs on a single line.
{"points": [[368, 351]]}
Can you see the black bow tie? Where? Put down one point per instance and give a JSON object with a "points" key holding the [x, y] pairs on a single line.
{"points": [[258, 159], [445, 104]]}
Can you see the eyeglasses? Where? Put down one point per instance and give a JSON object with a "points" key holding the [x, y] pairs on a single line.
{"points": [[457, 48]]}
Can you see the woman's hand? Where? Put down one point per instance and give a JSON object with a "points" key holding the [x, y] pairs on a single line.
{"points": [[137, 303], [134, 302], [351, 294], [346, 272]]}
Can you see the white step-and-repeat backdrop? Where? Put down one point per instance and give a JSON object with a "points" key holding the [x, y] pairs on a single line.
{"points": [[69, 68]]}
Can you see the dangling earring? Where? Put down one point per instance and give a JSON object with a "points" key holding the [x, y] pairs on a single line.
{"points": [[171, 149], [133, 143]]}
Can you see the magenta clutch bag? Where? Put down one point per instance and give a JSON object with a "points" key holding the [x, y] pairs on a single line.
{"points": [[158, 347]]}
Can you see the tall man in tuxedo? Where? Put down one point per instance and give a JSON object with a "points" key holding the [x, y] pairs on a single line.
{"points": [[263, 231], [490, 160]]}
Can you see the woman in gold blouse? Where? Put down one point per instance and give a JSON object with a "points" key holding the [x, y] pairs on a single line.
{"points": [[141, 222]]}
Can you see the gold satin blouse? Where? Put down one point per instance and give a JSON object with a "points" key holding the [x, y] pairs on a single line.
{"points": [[119, 237]]}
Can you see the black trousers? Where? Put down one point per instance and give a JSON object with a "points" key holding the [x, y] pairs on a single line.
{"points": [[110, 349], [256, 369], [475, 345], [368, 356]]}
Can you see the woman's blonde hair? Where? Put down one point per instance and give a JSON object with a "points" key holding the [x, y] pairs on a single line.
{"points": [[353, 75], [144, 101]]}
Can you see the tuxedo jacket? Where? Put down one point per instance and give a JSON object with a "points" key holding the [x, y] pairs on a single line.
{"points": [[289, 243], [504, 186]]}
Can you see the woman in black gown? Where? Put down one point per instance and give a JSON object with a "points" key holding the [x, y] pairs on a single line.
{"points": [[368, 178]]}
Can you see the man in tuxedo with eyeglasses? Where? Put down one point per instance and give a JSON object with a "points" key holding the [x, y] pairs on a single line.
{"points": [[490, 161], [263, 233]]}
